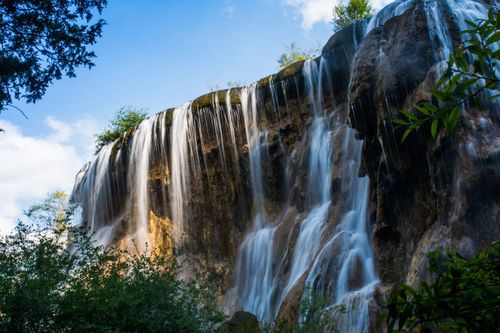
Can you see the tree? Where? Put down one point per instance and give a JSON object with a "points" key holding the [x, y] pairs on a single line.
{"points": [[43, 40], [355, 10], [126, 119], [59, 280], [295, 54], [464, 297], [471, 72]]}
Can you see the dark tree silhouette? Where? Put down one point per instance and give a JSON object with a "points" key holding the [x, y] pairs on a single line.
{"points": [[41, 41]]}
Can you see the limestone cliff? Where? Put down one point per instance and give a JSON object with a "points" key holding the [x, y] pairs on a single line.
{"points": [[243, 170]]}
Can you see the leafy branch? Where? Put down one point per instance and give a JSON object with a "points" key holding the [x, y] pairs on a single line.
{"points": [[465, 296], [472, 70]]}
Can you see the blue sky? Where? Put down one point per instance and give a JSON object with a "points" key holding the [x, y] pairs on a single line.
{"points": [[153, 54]]}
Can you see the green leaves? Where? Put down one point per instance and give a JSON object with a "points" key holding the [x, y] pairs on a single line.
{"points": [[353, 11], [471, 70], [464, 297], [44, 40], [434, 126], [46, 288], [126, 119], [295, 54]]}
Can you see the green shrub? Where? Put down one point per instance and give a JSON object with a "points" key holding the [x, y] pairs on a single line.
{"points": [[126, 119], [295, 54], [54, 278], [464, 297], [355, 10]]}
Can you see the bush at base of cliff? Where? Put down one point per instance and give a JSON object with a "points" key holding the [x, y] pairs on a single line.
{"points": [[48, 286], [465, 296]]}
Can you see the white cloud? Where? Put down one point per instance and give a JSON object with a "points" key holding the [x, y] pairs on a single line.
{"points": [[316, 11], [31, 167], [312, 11]]}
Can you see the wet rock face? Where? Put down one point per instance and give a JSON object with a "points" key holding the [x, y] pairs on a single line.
{"points": [[425, 193], [240, 322]]}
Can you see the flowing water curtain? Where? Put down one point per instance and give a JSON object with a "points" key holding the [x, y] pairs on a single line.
{"points": [[183, 158], [352, 267], [138, 175], [93, 193], [319, 165], [254, 276], [98, 185], [259, 274]]}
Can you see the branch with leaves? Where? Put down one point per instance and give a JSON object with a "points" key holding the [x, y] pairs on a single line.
{"points": [[465, 296], [472, 71]]}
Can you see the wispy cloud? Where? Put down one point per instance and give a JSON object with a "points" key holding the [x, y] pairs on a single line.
{"points": [[228, 8], [31, 167]]}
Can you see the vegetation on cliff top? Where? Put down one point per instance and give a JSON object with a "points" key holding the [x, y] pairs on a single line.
{"points": [[295, 54], [353, 11], [126, 119]]}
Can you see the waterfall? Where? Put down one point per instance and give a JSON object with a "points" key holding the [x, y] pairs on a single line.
{"points": [[353, 265], [93, 190], [98, 184], [138, 202], [261, 283], [254, 276], [182, 134]]}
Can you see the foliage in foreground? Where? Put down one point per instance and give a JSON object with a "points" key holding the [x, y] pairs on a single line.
{"points": [[465, 296], [126, 119], [353, 11], [43, 40], [471, 71], [295, 54], [46, 286]]}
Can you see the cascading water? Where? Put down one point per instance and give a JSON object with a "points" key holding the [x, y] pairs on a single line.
{"points": [[260, 286], [254, 270], [181, 156], [353, 263], [97, 185]]}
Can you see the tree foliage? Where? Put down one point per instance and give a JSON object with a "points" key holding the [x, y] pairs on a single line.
{"points": [[41, 41], [126, 119], [472, 70], [353, 11], [56, 279], [464, 297], [295, 54]]}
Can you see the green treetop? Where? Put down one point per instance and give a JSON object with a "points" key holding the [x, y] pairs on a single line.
{"points": [[353, 11]]}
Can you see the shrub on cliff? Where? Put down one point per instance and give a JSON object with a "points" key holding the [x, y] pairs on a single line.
{"points": [[126, 119], [295, 54], [464, 297], [353, 11], [50, 284]]}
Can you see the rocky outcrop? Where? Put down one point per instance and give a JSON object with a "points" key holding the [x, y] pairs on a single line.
{"points": [[422, 189]]}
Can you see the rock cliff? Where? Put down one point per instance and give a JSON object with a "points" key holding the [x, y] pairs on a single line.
{"points": [[241, 171]]}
